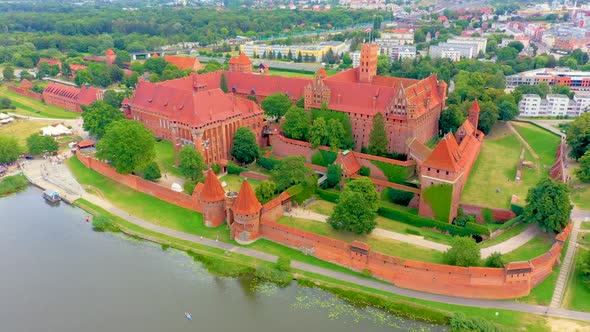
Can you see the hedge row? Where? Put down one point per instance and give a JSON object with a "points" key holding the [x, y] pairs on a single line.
{"points": [[510, 222], [323, 158], [301, 192], [414, 220], [517, 209], [234, 169], [268, 163]]}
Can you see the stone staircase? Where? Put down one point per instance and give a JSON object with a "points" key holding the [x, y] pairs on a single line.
{"points": [[566, 267]]}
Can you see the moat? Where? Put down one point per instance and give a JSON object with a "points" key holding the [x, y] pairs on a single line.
{"points": [[59, 275]]}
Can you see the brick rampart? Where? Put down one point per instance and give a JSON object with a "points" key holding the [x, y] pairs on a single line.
{"points": [[144, 186], [26, 93], [500, 215]]}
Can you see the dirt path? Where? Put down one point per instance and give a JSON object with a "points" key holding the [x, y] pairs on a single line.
{"points": [[527, 146]]}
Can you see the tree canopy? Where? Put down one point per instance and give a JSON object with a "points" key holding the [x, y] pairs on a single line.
{"points": [[297, 123], [113, 98], [265, 191], [334, 175], [463, 252], [98, 115], [578, 135], [583, 171], [290, 171], [38, 144], [9, 149], [127, 145], [357, 206], [378, 136], [190, 163], [548, 205], [245, 148], [276, 105]]}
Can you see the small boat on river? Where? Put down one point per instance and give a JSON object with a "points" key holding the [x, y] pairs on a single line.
{"points": [[188, 315], [51, 196]]}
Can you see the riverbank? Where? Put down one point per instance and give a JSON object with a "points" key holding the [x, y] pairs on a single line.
{"points": [[12, 184]]}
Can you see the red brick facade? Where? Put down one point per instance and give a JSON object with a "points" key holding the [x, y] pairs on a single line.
{"points": [[70, 97]]}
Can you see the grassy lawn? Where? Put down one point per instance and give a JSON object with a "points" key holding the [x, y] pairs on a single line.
{"points": [[142, 205], [577, 296], [542, 141], [326, 208], [386, 246], [586, 225], [31, 107], [165, 157], [21, 129], [581, 197], [491, 182], [535, 247], [234, 182], [504, 236], [278, 72]]}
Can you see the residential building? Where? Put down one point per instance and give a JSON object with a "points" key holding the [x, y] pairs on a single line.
{"points": [[356, 59], [576, 80], [479, 42], [399, 36], [184, 62], [453, 53], [532, 105]]}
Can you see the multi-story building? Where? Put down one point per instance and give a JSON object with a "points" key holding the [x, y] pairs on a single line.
{"points": [[576, 80], [398, 36], [356, 59], [532, 105], [450, 52], [71, 97], [316, 51], [395, 51], [479, 42]]}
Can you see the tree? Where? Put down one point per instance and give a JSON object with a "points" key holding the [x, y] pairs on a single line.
{"points": [[488, 116], [450, 119], [494, 260], [113, 98], [155, 65], [334, 175], [151, 172], [245, 148], [562, 90], [548, 205], [98, 115], [578, 135], [378, 136], [583, 172], [38, 144], [190, 163], [265, 191], [335, 133], [318, 132], [516, 45], [6, 103], [356, 209], [83, 76], [507, 107], [463, 252], [9, 149], [290, 171], [8, 73], [127, 145], [223, 84], [296, 124], [276, 105]]}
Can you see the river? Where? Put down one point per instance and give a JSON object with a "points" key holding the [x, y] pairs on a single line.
{"points": [[57, 274]]}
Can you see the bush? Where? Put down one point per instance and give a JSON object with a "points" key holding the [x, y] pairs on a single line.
{"points": [[216, 168], [323, 158], [12, 184], [412, 231], [327, 195], [399, 197], [102, 223], [510, 223], [189, 186], [487, 215], [494, 260], [284, 263], [364, 171], [222, 267], [517, 209], [234, 169], [463, 252], [461, 323], [274, 275], [151, 172], [584, 269], [268, 163]]}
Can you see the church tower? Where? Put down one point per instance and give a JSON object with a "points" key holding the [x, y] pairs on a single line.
{"points": [[213, 201], [246, 225], [368, 66], [474, 114], [111, 56]]}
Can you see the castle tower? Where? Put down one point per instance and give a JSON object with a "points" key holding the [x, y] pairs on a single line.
{"points": [[241, 63], [246, 226], [321, 74], [368, 66], [213, 200], [474, 114], [111, 56]]}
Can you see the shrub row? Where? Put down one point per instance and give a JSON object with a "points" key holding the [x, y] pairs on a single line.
{"points": [[271, 274], [517, 209], [328, 195], [234, 169], [221, 267], [510, 222], [268, 163]]}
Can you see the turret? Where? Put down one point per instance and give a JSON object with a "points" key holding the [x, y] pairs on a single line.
{"points": [[474, 114], [368, 66], [213, 201], [246, 212]]}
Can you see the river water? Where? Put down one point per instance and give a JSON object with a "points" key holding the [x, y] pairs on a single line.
{"points": [[56, 274]]}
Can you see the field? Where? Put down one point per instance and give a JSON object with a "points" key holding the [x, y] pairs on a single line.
{"points": [[386, 246], [577, 296], [30, 107], [286, 73], [165, 157], [491, 182], [326, 208], [542, 141], [504, 236], [535, 247], [21, 129], [234, 182]]}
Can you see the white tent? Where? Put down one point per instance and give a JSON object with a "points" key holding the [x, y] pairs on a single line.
{"points": [[7, 120], [4, 116], [176, 187], [56, 130]]}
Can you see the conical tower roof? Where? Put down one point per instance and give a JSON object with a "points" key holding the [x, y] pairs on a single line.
{"points": [[322, 73], [212, 190], [246, 203], [475, 106]]}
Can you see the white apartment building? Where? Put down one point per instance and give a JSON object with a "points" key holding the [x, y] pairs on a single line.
{"points": [[479, 42], [356, 58], [532, 105], [453, 52], [398, 36]]}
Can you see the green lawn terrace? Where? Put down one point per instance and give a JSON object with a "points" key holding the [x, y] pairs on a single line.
{"points": [[26, 106], [577, 296], [492, 181]]}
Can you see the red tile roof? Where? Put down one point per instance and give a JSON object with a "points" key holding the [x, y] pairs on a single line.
{"points": [[51, 62], [212, 190], [518, 265], [155, 55], [445, 155], [265, 85], [184, 62], [246, 203], [322, 73], [74, 67], [86, 144], [349, 163], [25, 84], [83, 96], [109, 52], [475, 106], [242, 59]]}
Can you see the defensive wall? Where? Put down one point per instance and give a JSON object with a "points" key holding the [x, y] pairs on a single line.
{"points": [[144, 186], [557, 171], [515, 280], [500, 215], [26, 92]]}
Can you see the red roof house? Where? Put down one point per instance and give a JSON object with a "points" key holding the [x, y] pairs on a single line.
{"points": [[184, 62], [51, 62]]}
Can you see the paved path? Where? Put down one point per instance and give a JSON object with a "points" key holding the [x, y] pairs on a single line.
{"points": [[512, 243], [505, 305], [566, 266]]}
